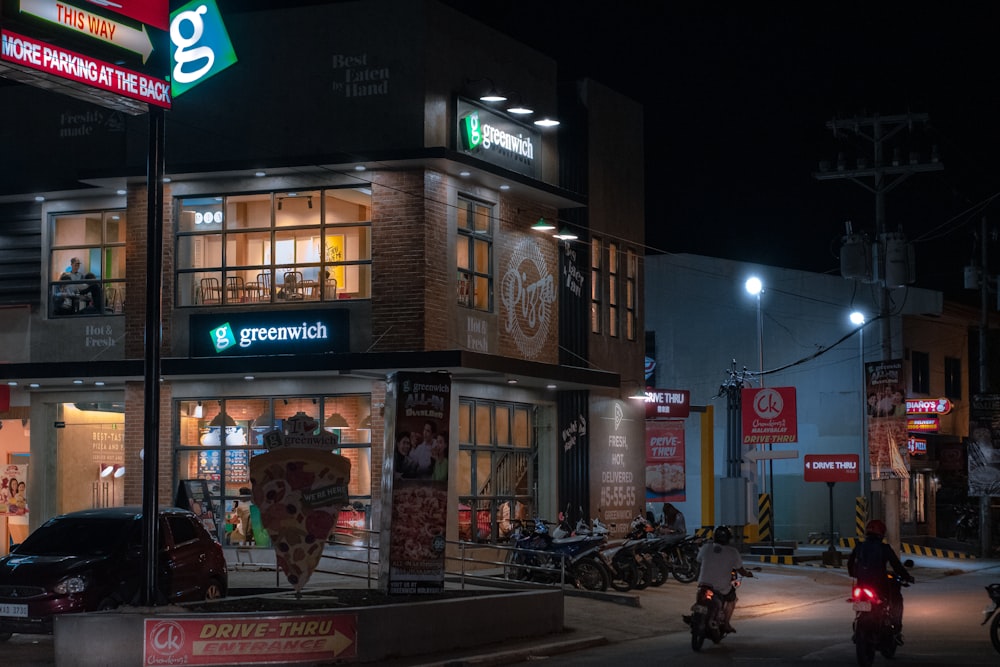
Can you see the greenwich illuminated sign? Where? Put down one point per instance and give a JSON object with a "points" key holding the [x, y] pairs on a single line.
{"points": [[265, 333], [497, 139]]}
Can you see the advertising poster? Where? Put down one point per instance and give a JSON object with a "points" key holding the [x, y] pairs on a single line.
{"points": [[984, 445], [419, 482], [13, 490], [665, 461], [887, 435]]}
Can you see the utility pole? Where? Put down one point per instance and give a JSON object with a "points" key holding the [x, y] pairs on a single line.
{"points": [[880, 178], [984, 381]]}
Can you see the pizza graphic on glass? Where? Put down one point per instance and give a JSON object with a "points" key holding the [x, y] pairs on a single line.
{"points": [[299, 492]]}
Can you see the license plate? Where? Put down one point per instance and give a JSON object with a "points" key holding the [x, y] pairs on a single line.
{"points": [[862, 605], [15, 610]]}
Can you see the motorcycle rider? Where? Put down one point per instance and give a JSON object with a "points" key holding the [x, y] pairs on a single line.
{"points": [[867, 564], [718, 560]]}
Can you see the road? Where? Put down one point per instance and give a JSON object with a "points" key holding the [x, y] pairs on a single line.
{"points": [[943, 612]]}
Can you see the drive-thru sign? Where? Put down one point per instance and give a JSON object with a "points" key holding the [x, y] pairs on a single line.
{"points": [[831, 468]]}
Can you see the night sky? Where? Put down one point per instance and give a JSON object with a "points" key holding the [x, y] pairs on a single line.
{"points": [[736, 105]]}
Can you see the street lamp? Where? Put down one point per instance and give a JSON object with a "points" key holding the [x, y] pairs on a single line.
{"points": [[755, 288], [858, 320]]}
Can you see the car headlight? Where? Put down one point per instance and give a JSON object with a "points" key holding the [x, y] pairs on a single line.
{"points": [[75, 584]]}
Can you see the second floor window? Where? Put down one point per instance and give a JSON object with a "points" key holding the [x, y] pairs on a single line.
{"points": [[274, 247], [613, 287], [87, 264], [474, 249], [596, 284], [631, 296]]}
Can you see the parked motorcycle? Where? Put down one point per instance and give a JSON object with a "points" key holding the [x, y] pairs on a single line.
{"points": [[627, 562], [991, 612], [675, 554], [708, 617], [539, 556], [875, 621]]}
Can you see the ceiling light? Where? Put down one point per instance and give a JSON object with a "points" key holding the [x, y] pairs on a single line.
{"points": [[546, 122], [39, 198], [34, 385], [520, 110], [543, 225], [120, 192], [77, 381], [199, 411], [166, 179], [492, 96], [550, 386], [359, 167], [463, 174], [248, 377], [505, 187], [98, 384], [259, 174], [120, 472], [336, 420], [107, 470], [220, 420], [565, 234], [639, 395]]}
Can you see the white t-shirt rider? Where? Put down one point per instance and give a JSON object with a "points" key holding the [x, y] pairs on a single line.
{"points": [[717, 564]]}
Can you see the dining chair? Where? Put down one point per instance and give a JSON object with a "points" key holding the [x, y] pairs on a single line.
{"points": [[259, 289], [211, 290], [235, 289], [292, 288]]}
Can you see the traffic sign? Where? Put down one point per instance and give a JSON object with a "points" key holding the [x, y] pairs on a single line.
{"points": [[755, 455], [832, 468]]}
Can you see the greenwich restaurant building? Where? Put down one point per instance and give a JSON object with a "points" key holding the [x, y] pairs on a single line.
{"points": [[341, 206]]}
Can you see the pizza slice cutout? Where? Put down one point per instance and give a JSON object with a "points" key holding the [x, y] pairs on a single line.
{"points": [[299, 492]]}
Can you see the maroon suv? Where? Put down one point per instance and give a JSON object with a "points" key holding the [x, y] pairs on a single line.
{"points": [[92, 560]]}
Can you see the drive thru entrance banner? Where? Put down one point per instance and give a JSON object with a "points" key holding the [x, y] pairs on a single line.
{"points": [[250, 640]]}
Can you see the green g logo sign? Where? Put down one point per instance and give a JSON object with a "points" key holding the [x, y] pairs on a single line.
{"points": [[223, 338], [201, 46], [472, 134]]}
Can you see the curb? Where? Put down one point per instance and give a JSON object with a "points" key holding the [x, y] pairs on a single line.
{"points": [[521, 654]]}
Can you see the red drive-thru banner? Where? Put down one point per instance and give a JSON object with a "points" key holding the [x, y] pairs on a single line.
{"points": [[245, 640], [832, 468], [66, 64], [769, 415], [151, 12]]}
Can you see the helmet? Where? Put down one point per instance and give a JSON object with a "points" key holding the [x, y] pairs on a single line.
{"points": [[875, 527], [722, 535]]}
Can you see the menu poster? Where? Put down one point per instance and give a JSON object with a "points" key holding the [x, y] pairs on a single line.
{"points": [[665, 474], [422, 406], [193, 494], [13, 494]]}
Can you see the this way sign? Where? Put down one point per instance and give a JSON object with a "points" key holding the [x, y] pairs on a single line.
{"points": [[832, 468]]}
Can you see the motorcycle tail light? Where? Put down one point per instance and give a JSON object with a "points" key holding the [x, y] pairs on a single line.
{"points": [[862, 593], [709, 594]]}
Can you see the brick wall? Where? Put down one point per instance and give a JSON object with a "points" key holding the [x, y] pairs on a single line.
{"points": [[135, 425], [136, 272]]}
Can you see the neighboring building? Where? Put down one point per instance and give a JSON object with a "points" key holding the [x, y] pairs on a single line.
{"points": [[701, 321], [326, 225]]}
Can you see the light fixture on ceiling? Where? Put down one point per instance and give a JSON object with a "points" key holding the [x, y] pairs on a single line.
{"points": [[39, 199], [520, 110], [336, 420], [543, 225], [260, 174], [566, 234], [107, 470], [119, 472], [222, 420], [199, 411], [546, 122], [366, 424]]}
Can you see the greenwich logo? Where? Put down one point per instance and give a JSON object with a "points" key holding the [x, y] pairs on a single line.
{"points": [[476, 134], [223, 337]]}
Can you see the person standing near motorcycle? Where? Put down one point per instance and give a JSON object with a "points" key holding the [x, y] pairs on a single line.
{"points": [[867, 563], [718, 561]]}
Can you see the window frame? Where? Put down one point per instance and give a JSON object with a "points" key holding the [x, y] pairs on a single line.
{"points": [[112, 288], [473, 239], [920, 367], [631, 294], [953, 378], [596, 285], [614, 285], [262, 283]]}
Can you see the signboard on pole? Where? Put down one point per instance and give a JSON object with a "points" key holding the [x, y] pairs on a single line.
{"points": [[832, 467], [667, 403], [769, 415], [110, 53]]}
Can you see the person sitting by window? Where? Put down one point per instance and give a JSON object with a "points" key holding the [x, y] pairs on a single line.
{"points": [[329, 286], [92, 295], [65, 295]]}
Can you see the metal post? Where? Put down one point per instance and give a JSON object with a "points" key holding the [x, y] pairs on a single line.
{"points": [[984, 383], [155, 167]]}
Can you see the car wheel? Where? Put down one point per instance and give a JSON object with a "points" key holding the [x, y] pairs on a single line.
{"points": [[214, 590]]}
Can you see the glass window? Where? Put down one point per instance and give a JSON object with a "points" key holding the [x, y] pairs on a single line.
{"points": [[87, 264], [474, 255], [953, 378], [274, 247], [495, 480], [596, 248], [217, 439], [613, 289], [920, 369], [631, 307]]}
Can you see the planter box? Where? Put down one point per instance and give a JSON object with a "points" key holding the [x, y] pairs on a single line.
{"points": [[380, 631]]}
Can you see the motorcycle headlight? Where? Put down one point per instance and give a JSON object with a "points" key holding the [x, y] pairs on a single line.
{"points": [[74, 584]]}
